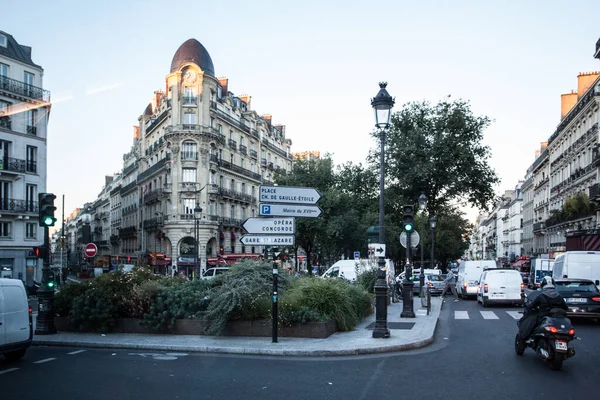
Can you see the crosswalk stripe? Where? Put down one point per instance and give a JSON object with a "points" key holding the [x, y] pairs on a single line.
{"points": [[6, 371], [461, 315], [44, 360], [514, 314], [488, 315], [76, 352]]}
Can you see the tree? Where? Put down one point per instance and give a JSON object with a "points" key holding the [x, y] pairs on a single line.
{"points": [[436, 150]]}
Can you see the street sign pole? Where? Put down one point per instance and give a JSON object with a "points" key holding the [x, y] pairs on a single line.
{"points": [[275, 306], [45, 318]]}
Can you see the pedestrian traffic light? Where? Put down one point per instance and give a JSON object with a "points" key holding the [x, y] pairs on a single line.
{"points": [[50, 284], [39, 251], [408, 213], [46, 207]]}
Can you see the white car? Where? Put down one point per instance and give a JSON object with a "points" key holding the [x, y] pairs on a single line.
{"points": [[212, 272], [16, 322], [501, 285]]}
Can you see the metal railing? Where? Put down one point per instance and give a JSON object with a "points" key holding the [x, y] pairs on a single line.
{"points": [[18, 165], [16, 205], [23, 89]]}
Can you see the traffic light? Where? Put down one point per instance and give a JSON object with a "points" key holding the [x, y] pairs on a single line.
{"points": [[39, 251], [408, 221], [50, 284], [221, 251], [46, 204]]}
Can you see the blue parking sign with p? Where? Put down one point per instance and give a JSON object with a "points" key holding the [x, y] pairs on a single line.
{"points": [[265, 209], [356, 255]]}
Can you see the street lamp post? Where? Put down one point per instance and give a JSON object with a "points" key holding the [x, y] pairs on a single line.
{"points": [[432, 225], [197, 215], [382, 105], [422, 207]]}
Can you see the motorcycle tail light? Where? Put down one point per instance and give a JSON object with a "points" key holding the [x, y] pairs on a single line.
{"points": [[485, 288], [572, 332], [551, 329]]}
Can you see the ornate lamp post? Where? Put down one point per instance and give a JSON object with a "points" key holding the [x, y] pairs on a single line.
{"points": [[197, 215], [382, 105], [432, 225], [422, 207]]}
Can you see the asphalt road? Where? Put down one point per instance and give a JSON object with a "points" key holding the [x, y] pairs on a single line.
{"points": [[472, 358]]}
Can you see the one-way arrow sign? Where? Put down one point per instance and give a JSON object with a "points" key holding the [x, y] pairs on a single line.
{"points": [[288, 194], [277, 226], [377, 249]]}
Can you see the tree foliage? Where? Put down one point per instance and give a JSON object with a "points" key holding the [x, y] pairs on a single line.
{"points": [[437, 150]]}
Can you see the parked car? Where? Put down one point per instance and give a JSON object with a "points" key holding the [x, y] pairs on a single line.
{"points": [[212, 272], [16, 320], [582, 297], [500, 285]]}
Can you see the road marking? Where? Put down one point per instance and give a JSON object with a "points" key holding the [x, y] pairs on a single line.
{"points": [[461, 315], [6, 371], [44, 360], [514, 314], [76, 352], [488, 315]]}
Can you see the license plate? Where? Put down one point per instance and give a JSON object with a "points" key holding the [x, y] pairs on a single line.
{"points": [[576, 300], [560, 345]]}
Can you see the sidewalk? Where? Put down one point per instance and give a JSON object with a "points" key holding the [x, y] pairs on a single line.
{"points": [[405, 334]]}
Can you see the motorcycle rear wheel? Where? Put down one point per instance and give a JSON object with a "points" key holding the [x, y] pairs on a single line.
{"points": [[556, 363], [519, 345]]}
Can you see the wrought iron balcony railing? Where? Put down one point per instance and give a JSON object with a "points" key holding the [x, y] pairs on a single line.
{"points": [[18, 165], [23, 89], [16, 205]]}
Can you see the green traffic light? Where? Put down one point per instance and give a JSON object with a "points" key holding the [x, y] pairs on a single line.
{"points": [[50, 284], [48, 221], [408, 227]]}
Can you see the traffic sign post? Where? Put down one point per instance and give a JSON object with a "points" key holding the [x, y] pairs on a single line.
{"points": [[90, 250], [270, 225], [270, 240], [414, 239], [357, 255], [378, 249], [288, 194], [289, 210]]}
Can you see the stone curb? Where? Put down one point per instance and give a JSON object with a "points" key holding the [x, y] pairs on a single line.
{"points": [[243, 350]]}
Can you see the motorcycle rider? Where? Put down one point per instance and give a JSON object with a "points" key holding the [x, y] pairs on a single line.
{"points": [[540, 307]]}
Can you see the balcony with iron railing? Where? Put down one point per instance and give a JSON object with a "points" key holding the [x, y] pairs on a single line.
{"points": [[210, 133], [594, 192], [128, 231], [114, 239], [190, 100], [239, 170], [153, 195], [253, 154], [232, 144], [225, 221], [189, 187], [153, 169], [8, 205], [152, 223], [129, 187], [23, 89], [6, 122], [233, 194], [263, 162], [243, 149], [157, 121], [10, 164], [212, 188]]}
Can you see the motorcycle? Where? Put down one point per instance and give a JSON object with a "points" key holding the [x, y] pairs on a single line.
{"points": [[550, 339]]}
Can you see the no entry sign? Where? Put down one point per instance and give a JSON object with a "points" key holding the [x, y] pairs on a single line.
{"points": [[90, 250]]}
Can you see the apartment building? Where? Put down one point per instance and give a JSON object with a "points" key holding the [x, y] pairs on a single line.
{"points": [[24, 113]]}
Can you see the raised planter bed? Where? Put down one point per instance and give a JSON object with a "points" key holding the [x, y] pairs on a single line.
{"points": [[316, 330]]}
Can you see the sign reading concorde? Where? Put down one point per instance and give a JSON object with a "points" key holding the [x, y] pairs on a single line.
{"points": [[288, 194], [280, 225]]}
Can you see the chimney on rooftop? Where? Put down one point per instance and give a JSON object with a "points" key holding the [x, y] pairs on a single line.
{"points": [[567, 102], [585, 81], [224, 89]]}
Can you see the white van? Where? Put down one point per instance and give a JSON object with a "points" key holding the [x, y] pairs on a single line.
{"points": [[349, 269], [16, 322], [501, 285], [469, 274], [578, 265], [540, 267]]}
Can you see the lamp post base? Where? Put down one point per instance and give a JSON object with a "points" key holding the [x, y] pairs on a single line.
{"points": [[381, 330], [407, 300]]}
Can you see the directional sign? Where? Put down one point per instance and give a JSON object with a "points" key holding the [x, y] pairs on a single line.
{"points": [[377, 249], [356, 255], [279, 226], [288, 194], [414, 239], [268, 240], [90, 250], [289, 210]]}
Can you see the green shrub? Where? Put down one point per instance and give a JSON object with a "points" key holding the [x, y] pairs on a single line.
{"points": [[367, 279], [63, 300], [142, 298], [333, 299], [291, 309], [176, 300], [243, 293]]}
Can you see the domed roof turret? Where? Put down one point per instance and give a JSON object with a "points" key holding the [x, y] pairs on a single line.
{"points": [[193, 51], [148, 110]]}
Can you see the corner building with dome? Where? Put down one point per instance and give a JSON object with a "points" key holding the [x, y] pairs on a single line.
{"points": [[197, 146]]}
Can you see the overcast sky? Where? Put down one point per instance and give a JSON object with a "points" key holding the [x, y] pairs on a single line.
{"points": [[313, 65]]}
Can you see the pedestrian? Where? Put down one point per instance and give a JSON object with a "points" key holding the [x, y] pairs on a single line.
{"points": [[449, 284]]}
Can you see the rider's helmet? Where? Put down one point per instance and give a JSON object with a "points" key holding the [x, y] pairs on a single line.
{"points": [[547, 282]]}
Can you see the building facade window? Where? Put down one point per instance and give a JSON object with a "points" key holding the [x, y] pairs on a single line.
{"points": [[4, 70], [189, 151], [28, 78], [188, 175], [30, 197], [30, 231], [188, 206], [32, 159], [3, 41], [189, 119], [31, 121], [5, 230]]}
